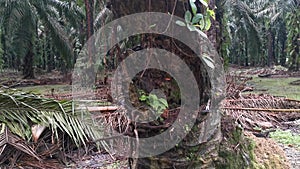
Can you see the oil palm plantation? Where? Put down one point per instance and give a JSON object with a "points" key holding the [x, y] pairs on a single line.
{"points": [[20, 21], [293, 37], [244, 32], [259, 30]]}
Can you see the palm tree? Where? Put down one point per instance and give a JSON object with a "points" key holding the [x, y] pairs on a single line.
{"points": [[273, 13], [20, 20], [223, 36], [261, 23], [179, 156], [1, 50], [245, 34], [293, 39]]}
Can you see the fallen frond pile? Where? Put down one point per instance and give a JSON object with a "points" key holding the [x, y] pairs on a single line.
{"points": [[261, 111], [236, 85], [39, 127]]}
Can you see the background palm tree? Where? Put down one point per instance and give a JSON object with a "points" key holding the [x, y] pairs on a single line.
{"points": [[20, 21], [293, 38], [258, 31]]}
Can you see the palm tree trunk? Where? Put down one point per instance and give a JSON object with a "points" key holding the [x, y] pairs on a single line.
{"points": [[283, 53], [246, 52], [3, 42], [49, 53], [276, 49], [295, 63], [28, 70], [213, 31], [223, 38], [270, 48], [89, 9], [204, 153]]}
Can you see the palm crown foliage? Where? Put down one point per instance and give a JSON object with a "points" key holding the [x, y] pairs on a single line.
{"points": [[293, 37], [245, 29]]}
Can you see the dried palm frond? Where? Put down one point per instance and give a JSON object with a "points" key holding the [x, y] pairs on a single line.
{"points": [[9, 139], [263, 111], [236, 85]]}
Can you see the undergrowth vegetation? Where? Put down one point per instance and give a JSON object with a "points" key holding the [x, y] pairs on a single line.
{"points": [[286, 137]]}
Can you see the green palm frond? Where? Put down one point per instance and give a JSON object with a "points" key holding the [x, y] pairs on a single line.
{"points": [[58, 34], [20, 18], [245, 11], [249, 25], [19, 112], [11, 13], [72, 12], [24, 33], [60, 38], [102, 17], [19, 24]]}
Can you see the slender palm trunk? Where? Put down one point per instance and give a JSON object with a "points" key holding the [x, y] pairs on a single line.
{"points": [[270, 47], [49, 53], [295, 65], [89, 8], [3, 42], [283, 53], [28, 70]]}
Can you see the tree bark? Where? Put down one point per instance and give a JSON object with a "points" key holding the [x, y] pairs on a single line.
{"points": [[206, 152], [282, 36], [49, 52], [89, 9], [270, 47], [222, 38], [28, 70], [283, 53], [214, 29]]}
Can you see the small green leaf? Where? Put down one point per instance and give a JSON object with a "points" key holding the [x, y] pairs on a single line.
{"points": [[191, 27], [188, 16], [207, 23], [152, 97], [211, 13], [193, 6], [203, 2], [143, 98], [155, 105], [164, 102], [180, 23], [202, 24], [197, 18]]}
